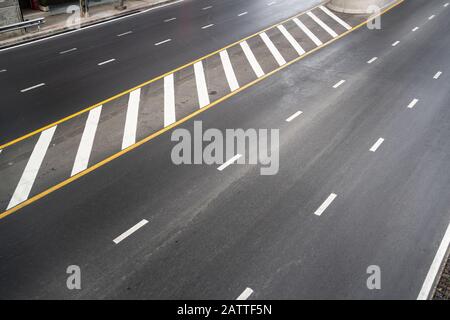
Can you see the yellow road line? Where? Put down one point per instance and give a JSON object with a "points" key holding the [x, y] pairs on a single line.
{"points": [[10, 143], [160, 132]]}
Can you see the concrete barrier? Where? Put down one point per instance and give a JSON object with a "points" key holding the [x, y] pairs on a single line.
{"points": [[357, 6]]}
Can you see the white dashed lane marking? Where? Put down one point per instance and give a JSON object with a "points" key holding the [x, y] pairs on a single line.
{"points": [[295, 115], [340, 83], [377, 145], [229, 162], [130, 231], [245, 294], [413, 103], [325, 204], [106, 62], [33, 87]]}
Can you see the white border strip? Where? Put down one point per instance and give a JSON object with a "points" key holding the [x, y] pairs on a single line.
{"points": [[435, 266]]}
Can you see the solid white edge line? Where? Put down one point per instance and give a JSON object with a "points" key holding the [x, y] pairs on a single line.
{"points": [[413, 103], [325, 204], [87, 140], [229, 71], [202, 89], [229, 162], [242, 14], [273, 50], [377, 145], [291, 40], [130, 231], [31, 170], [169, 100], [295, 115], [208, 26], [129, 132], [90, 26], [245, 294], [435, 266], [308, 32], [252, 59], [336, 18], [324, 26]]}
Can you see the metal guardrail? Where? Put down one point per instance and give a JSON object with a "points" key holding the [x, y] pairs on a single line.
{"points": [[22, 25]]}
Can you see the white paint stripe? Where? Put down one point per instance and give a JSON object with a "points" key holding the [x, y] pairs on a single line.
{"points": [[415, 29], [130, 231], [435, 266], [431, 17], [229, 162], [322, 24], [208, 26], [377, 145], [336, 18], [207, 8], [170, 19], [276, 54], [162, 42], [91, 26], [33, 87], [295, 115], [229, 72], [202, 89], [67, 51], [245, 295], [125, 33], [325, 205], [169, 100], [242, 14], [291, 40], [413, 103], [107, 61], [307, 32], [3, 70], [437, 75], [32, 168], [340, 83], [251, 59], [129, 133], [372, 60], [87, 140], [395, 43], [446, 5]]}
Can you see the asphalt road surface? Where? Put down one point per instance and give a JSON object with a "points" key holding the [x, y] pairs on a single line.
{"points": [[369, 154]]}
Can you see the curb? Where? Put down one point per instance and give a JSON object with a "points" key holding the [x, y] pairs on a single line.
{"points": [[10, 43]]}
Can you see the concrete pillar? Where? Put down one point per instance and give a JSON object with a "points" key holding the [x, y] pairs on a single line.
{"points": [[10, 13], [357, 6]]}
